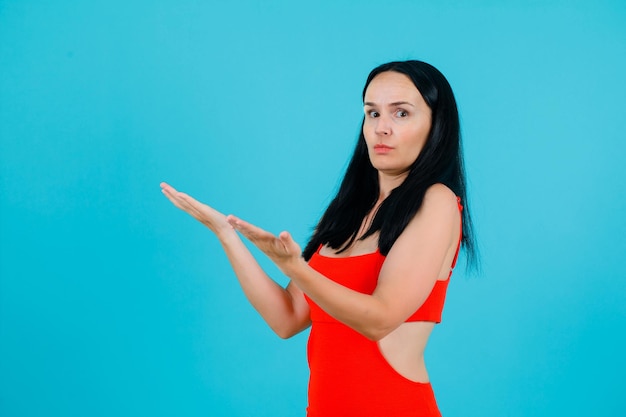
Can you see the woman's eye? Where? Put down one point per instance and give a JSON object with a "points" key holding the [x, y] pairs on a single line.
{"points": [[372, 113], [401, 113]]}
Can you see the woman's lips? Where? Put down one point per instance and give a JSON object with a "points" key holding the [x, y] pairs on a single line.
{"points": [[382, 149]]}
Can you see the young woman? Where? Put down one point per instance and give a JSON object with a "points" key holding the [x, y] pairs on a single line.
{"points": [[372, 280]]}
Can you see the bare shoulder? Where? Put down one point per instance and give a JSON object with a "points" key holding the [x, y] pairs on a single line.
{"points": [[439, 212], [431, 238], [440, 198], [425, 249]]}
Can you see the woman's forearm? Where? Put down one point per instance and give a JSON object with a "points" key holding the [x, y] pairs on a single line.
{"points": [[362, 312], [284, 309]]}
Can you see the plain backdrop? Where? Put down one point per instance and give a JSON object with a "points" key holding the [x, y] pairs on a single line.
{"points": [[114, 303]]}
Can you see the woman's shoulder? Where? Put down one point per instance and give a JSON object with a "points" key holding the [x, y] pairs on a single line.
{"points": [[439, 195], [440, 206]]}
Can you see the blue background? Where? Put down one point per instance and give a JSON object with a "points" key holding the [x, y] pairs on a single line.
{"points": [[113, 303]]}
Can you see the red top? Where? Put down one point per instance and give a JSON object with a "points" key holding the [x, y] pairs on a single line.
{"points": [[349, 374]]}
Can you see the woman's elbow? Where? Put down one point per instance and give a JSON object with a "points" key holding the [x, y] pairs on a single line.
{"points": [[285, 333], [288, 331], [376, 333]]}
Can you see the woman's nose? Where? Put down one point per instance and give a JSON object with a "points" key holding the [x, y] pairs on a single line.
{"points": [[383, 126]]}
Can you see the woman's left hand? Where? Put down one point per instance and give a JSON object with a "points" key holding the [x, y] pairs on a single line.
{"points": [[281, 249]]}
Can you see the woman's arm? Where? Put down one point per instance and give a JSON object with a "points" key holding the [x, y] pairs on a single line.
{"points": [[421, 254], [284, 309]]}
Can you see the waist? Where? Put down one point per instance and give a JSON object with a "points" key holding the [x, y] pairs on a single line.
{"points": [[349, 376], [337, 351]]}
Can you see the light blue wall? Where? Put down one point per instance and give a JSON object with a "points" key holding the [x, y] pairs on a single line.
{"points": [[113, 303]]}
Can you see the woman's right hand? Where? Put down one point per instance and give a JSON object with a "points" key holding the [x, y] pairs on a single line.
{"points": [[205, 214]]}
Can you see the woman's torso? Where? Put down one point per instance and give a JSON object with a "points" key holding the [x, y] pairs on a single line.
{"points": [[354, 376]]}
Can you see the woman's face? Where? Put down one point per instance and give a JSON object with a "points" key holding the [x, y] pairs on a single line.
{"points": [[397, 122]]}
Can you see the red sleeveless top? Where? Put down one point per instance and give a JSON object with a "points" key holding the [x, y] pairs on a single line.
{"points": [[349, 376]]}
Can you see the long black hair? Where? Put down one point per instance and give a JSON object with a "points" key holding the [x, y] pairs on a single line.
{"points": [[440, 161]]}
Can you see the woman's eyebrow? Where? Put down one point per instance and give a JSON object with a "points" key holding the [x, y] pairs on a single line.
{"points": [[395, 103]]}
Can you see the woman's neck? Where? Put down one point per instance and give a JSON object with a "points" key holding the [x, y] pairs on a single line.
{"points": [[387, 183]]}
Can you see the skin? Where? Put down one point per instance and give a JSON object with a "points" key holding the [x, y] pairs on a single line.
{"points": [[397, 117]]}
